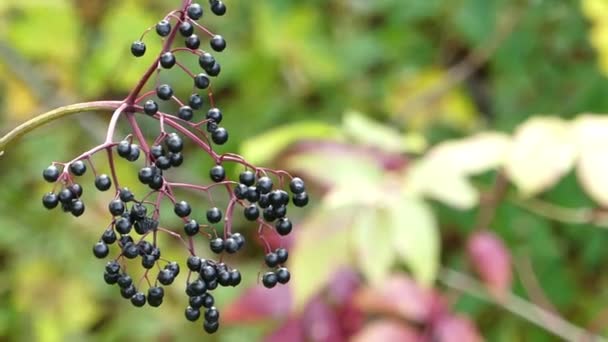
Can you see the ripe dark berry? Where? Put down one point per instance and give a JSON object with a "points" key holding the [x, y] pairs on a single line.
{"points": [[165, 277], [280, 211], [264, 201], [194, 263], [218, 43], [66, 196], [123, 225], [269, 215], [192, 314], [283, 275], [215, 69], [148, 261], [78, 168], [174, 143], [214, 215], [130, 251], [123, 148], [195, 11], [164, 92], [77, 208], [146, 175], [218, 8], [240, 191], [201, 81], [216, 245], [126, 195], [116, 207], [212, 285], [196, 302], [186, 29], [157, 182], [108, 236], [215, 115], [128, 292], [297, 186], [103, 182], [208, 300], [185, 113], [196, 288], [109, 278], [230, 245], [138, 299], [271, 259], [217, 173], [191, 228], [163, 163], [219, 136], [206, 61], [193, 42], [269, 280], [182, 209], [155, 296], [212, 126], [101, 250], [163, 28], [252, 195], [144, 247], [235, 278], [134, 154], [150, 107], [211, 327], [76, 189], [124, 241], [167, 60], [138, 48], [125, 281], [208, 273], [300, 200], [239, 238], [113, 267], [157, 151], [173, 267], [264, 185], [247, 177], [176, 159], [196, 101], [252, 212], [212, 314], [50, 200], [282, 255], [51, 174], [223, 277]]}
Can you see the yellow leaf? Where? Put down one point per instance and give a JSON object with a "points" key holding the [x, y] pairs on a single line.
{"points": [[592, 168], [543, 150], [373, 242]]}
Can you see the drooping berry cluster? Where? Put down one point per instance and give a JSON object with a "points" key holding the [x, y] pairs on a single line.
{"points": [[136, 221]]}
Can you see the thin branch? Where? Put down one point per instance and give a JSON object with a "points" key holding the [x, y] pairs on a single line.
{"points": [[53, 115], [518, 306]]}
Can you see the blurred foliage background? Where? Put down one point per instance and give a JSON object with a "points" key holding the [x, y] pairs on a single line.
{"points": [[350, 93]]}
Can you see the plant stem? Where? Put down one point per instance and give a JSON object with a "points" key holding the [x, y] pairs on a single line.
{"points": [[520, 307], [53, 115]]}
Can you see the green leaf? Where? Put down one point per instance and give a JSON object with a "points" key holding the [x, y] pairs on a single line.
{"points": [[371, 133], [543, 151], [322, 247], [262, 148], [415, 237], [373, 237]]}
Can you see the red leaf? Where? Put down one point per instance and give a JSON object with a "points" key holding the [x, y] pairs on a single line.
{"points": [[492, 261], [291, 331], [456, 329], [321, 323], [259, 303], [343, 286], [400, 296], [387, 331]]}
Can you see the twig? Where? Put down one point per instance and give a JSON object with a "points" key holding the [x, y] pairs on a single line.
{"points": [[491, 200], [518, 306], [53, 115]]}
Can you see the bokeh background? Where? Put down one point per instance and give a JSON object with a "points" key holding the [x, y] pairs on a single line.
{"points": [[353, 95]]}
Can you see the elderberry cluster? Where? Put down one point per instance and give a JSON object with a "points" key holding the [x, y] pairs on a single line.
{"points": [[261, 195]]}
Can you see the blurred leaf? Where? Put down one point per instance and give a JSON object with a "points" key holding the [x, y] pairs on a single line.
{"points": [[433, 178], [373, 237], [492, 261], [259, 303], [542, 152], [415, 237], [399, 296], [592, 168], [264, 147], [321, 323], [370, 133], [291, 330], [321, 248], [387, 330]]}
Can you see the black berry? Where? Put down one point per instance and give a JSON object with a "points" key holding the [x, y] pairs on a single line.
{"points": [[164, 92], [283, 275], [300, 200], [51, 174], [191, 228], [103, 182], [150, 107], [215, 115], [193, 42], [218, 43], [163, 28], [192, 314], [216, 245], [269, 280], [186, 29], [101, 250], [195, 11], [218, 7], [272, 260], [50, 200], [217, 173], [185, 113], [214, 215], [220, 136], [283, 226], [78, 168], [138, 48], [201, 81], [196, 101]]}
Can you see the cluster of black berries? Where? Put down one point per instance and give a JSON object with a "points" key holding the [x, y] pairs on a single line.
{"points": [[210, 275], [280, 274], [131, 224]]}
